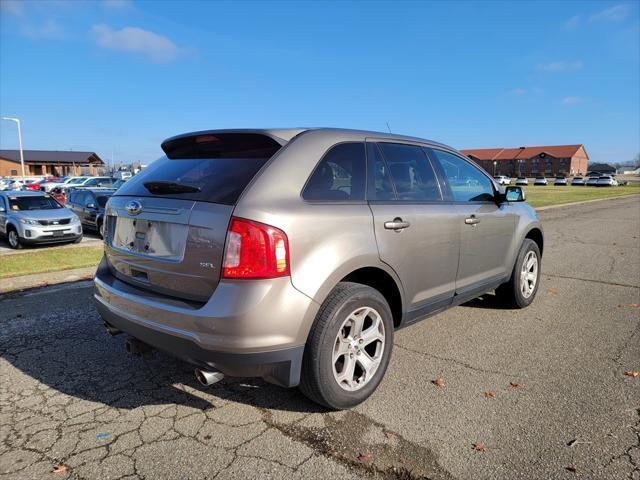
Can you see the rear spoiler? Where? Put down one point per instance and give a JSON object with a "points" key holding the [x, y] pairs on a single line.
{"points": [[228, 143]]}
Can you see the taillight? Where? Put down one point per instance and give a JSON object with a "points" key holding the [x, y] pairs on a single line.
{"points": [[255, 250]]}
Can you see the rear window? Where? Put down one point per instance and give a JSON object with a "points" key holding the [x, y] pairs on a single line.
{"points": [[209, 168]]}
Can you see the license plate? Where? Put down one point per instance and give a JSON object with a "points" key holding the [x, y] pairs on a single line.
{"points": [[58, 233], [150, 238]]}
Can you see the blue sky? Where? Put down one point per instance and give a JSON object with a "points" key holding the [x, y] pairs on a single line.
{"points": [[120, 76]]}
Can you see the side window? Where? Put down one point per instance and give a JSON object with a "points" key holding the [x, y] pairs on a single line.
{"points": [[380, 186], [83, 199], [411, 172], [340, 175], [467, 182], [72, 198]]}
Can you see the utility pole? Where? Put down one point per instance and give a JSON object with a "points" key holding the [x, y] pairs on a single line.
{"points": [[11, 119]]}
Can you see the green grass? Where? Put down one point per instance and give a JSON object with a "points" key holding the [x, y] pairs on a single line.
{"points": [[549, 195], [53, 260]]}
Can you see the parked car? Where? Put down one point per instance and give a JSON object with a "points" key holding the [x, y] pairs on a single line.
{"points": [[522, 181], [592, 181], [92, 182], [607, 181], [88, 205], [540, 181], [264, 253], [118, 183], [4, 184], [123, 175], [560, 181], [38, 184], [577, 181], [49, 186], [36, 218], [502, 179]]}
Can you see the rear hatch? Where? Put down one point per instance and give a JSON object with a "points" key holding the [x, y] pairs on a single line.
{"points": [[166, 227]]}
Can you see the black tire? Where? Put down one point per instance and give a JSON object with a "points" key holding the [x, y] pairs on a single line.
{"points": [[78, 240], [13, 238], [101, 229], [317, 377], [510, 294]]}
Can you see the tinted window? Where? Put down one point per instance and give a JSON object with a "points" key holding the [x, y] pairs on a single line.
{"points": [[410, 172], [467, 182], [381, 187], [102, 200], [340, 175], [219, 180], [32, 203]]}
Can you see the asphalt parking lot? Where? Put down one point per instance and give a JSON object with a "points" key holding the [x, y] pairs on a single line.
{"points": [[541, 393]]}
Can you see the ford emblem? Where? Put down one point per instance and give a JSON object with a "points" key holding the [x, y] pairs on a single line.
{"points": [[134, 207]]}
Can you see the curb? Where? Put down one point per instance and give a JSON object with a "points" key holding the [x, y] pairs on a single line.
{"points": [[582, 202], [16, 284]]}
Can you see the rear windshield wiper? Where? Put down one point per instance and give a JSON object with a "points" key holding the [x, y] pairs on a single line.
{"points": [[160, 187]]}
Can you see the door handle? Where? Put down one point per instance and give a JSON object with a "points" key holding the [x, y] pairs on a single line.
{"points": [[396, 224], [472, 220]]}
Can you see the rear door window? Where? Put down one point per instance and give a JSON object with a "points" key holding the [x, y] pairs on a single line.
{"points": [[340, 175], [411, 172]]}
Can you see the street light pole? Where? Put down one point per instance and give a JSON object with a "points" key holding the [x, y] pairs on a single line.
{"points": [[17, 120]]}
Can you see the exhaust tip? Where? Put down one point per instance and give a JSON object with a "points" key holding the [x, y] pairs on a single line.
{"points": [[207, 378], [111, 330]]}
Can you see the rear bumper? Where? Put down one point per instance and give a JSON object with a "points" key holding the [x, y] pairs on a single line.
{"points": [[247, 328]]}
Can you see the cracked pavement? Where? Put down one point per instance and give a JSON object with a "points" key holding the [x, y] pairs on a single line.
{"points": [[69, 394]]}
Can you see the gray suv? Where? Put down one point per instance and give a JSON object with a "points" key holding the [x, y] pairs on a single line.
{"points": [[294, 255]]}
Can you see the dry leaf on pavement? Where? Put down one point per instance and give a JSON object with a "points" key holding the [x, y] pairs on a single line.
{"points": [[60, 469], [363, 457], [479, 447], [489, 394], [438, 382], [632, 374], [552, 291], [389, 435], [513, 385]]}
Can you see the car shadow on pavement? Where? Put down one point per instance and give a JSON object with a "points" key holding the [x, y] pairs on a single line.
{"points": [[74, 355], [487, 300]]}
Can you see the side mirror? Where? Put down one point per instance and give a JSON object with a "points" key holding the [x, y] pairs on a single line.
{"points": [[2, 209], [92, 206], [514, 194]]}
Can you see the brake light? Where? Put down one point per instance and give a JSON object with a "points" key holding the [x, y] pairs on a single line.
{"points": [[255, 250]]}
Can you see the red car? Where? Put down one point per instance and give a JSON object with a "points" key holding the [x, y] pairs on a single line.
{"points": [[36, 185]]}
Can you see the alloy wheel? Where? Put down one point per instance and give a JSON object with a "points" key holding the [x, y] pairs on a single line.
{"points": [[358, 349], [13, 238], [529, 274]]}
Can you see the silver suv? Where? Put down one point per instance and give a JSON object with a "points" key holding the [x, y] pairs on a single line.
{"points": [[28, 218], [294, 255]]}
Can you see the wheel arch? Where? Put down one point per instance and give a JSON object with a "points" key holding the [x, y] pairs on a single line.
{"points": [[382, 281], [536, 235]]}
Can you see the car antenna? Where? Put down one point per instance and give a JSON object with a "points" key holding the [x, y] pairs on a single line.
{"points": [[388, 127]]}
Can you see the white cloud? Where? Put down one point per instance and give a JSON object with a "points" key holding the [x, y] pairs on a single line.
{"points": [[611, 14], [572, 100], [573, 22], [518, 91], [561, 66], [136, 40], [14, 7], [117, 4], [50, 29]]}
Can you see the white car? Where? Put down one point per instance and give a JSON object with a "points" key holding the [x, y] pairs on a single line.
{"points": [[607, 181], [47, 187], [592, 181], [522, 181], [502, 179], [540, 181]]}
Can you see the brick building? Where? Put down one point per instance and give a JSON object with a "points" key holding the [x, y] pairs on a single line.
{"points": [[44, 162], [549, 161]]}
